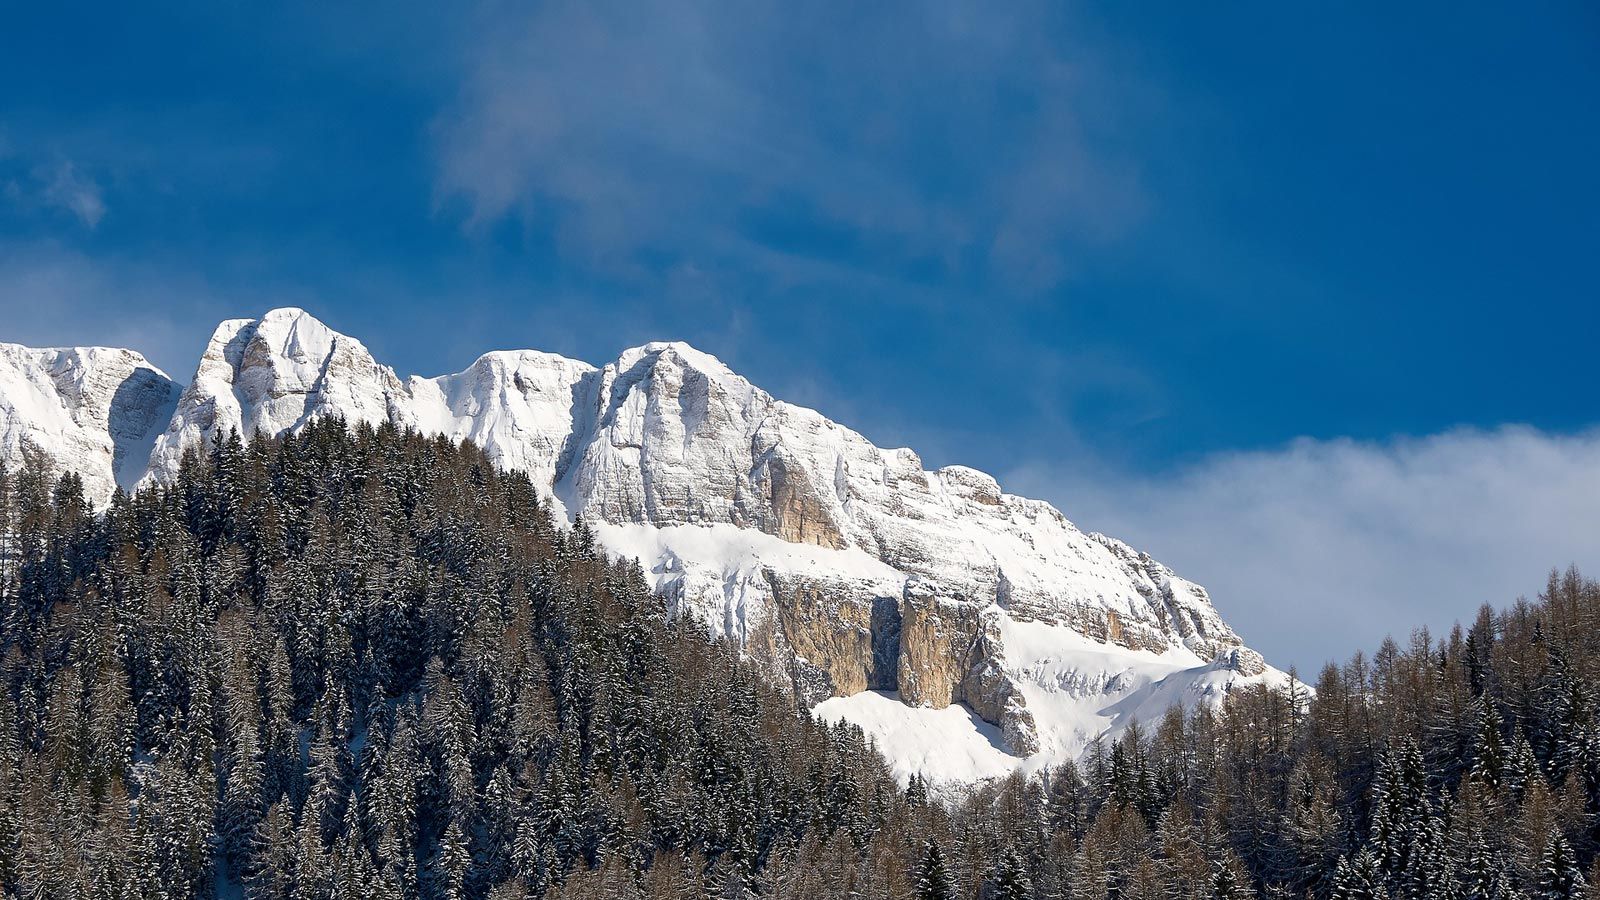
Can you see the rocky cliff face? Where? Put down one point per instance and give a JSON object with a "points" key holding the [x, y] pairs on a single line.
{"points": [[841, 566], [669, 437], [89, 409], [272, 375]]}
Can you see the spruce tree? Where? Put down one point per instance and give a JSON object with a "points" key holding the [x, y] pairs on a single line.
{"points": [[1489, 752], [1558, 876], [1358, 878], [933, 878], [1009, 880]]}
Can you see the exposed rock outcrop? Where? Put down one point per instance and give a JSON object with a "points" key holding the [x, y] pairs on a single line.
{"points": [[841, 566], [93, 410]]}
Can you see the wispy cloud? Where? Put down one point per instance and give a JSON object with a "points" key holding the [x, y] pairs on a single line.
{"points": [[1324, 547], [947, 139], [63, 186], [60, 186]]}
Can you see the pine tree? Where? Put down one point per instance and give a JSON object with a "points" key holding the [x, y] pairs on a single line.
{"points": [[1010, 880], [1432, 872], [1558, 876], [1483, 875], [933, 878], [448, 871], [1227, 885], [917, 790], [1522, 767], [1489, 753], [1358, 878]]}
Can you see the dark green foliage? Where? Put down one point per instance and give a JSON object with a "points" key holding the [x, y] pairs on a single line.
{"points": [[934, 881], [1558, 876], [367, 658], [364, 663]]}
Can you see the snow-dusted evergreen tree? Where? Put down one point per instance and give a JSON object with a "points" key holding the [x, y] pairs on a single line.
{"points": [[1489, 760], [1226, 883], [1522, 767], [1009, 880], [1558, 876], [1432, 872], [934, 880], [1483, 874], [1359, 878], [361, 662]]}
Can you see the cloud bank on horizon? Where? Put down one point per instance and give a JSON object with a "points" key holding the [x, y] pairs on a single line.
{"points": [[1323, 548]]}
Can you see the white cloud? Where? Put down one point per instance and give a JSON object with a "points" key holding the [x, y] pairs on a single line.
{"points": [[65, 187], [51, 187], [1324, 547], [921, 135]]}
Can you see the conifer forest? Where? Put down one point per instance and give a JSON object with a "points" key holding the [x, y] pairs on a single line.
{"points": [[357, 662]]}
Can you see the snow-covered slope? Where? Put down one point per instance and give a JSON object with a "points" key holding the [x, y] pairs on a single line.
{"points": [[93, 410], [1077, 689], [842, 567]]}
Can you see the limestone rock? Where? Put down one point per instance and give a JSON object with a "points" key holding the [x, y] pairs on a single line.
{"points": [[93, 410], [839, 566], [1243, 660]]}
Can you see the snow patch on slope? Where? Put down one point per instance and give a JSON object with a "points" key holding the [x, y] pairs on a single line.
{"points": [[718, 574], [946, 746], [733, 549], [1079, 690]]}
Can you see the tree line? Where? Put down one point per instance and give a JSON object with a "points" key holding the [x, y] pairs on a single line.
{"points": [[361, 662]]}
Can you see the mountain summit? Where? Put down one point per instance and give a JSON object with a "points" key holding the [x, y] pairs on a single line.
{"points": [[94, 410], [968, 630]]}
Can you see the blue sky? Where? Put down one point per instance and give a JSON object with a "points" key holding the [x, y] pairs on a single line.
{"points": [[1243, 284]]}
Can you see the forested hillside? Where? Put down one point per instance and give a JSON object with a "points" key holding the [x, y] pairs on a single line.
{"points": [[363, 663]]}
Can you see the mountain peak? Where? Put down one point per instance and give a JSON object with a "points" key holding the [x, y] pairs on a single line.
{"points": [[90, 409], [288, 314], [273, 374], [843, 567], [681, 355]]}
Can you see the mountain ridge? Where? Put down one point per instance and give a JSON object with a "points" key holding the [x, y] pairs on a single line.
{"points": [[99, 406], [843, 567]]}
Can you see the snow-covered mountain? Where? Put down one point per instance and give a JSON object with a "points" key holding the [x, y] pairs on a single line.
{"points": [[94, 410], [968, 629]]}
